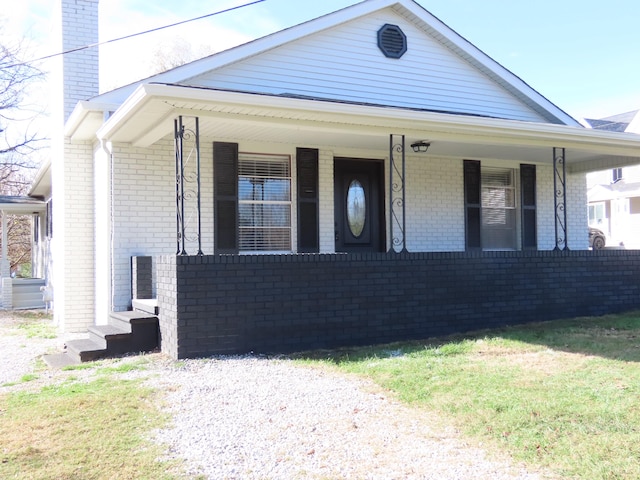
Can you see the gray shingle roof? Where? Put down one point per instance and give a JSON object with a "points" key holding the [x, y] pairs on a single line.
{"points": [[602, 124]]}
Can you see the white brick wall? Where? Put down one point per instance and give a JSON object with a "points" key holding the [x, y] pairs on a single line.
{"points": [[577, 228], [144, 209], [577, 212], [435, 204], [326, 215], [72, 242]]}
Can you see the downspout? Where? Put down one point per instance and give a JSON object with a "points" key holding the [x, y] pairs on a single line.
{"points": [[104, 259]]}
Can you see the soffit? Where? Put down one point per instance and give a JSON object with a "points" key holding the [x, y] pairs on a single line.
{"points": [[149, 116]]}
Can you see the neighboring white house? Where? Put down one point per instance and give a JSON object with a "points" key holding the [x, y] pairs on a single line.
{"points": [[18, 292], [614, 194], [374, 128]]}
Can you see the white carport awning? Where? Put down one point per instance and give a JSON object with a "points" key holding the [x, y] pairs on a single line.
{"points": [[149, 113]]}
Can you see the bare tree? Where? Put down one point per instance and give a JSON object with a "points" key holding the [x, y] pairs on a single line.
{"points": [[17, 138], [177, 52], [18, 143], [19, 242]]}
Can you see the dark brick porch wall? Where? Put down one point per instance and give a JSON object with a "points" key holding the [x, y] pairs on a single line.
{"points": [[141, 277], [283, 303]]}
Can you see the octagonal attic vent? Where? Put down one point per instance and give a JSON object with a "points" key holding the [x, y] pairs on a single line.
{"points": [[392, 41]]}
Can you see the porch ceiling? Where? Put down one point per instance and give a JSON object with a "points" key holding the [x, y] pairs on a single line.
{"points": [[148, 115]]}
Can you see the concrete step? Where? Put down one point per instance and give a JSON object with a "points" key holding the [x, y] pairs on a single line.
{"points": [[125, 320], [107, 335], [85, 350], [146, 305], [127, 332], [59, 360], [143, 326]]}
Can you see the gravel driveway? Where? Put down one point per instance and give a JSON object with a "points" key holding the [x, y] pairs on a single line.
{"points": [[258, 418]]}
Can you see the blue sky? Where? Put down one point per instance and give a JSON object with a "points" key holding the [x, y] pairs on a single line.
{"points": [[582, 55]]}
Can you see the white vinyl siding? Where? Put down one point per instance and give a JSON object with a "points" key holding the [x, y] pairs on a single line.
{"points": [[264, 203], [344, 63]]}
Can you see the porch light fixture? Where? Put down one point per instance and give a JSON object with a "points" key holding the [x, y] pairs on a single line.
{"points": [[421, 146]]}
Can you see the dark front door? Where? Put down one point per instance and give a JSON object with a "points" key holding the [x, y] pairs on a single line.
{"points": [[359, 207]]}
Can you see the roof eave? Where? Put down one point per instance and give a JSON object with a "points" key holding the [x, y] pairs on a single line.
{"points": [[41, 185], [86, 119], [155, 101]]}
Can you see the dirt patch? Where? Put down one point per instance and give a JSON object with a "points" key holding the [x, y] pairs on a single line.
{"points": [[546, 362], [21, 347]]}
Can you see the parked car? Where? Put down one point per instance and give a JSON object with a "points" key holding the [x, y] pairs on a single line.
{"points": [[597, 240]]}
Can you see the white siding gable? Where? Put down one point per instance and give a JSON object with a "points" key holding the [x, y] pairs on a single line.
{"points": [[344, 63]]}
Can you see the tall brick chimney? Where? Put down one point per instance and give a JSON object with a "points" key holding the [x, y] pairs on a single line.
{"points": [[78, 25], [74, 78]]}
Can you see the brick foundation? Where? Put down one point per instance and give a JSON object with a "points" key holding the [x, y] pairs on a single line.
{"points": [[284, 303]]}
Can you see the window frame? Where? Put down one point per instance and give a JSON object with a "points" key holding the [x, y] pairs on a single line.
{"points": [[510, 212], [284, 159]]}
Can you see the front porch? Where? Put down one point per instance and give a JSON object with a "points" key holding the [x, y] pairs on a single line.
{"points": [[282, 303], [15, 292], [194, 174]]}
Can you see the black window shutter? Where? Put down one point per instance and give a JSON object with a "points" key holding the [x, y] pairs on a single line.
{"points": [[472, 205], [225, 166], [307, 181], [528, 202]]}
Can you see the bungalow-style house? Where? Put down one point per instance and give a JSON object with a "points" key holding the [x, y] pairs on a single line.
{"points": [[614, 194], [366, 176]]}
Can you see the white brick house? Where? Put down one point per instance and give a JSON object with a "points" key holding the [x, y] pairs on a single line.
{"points": [[302, 138]]}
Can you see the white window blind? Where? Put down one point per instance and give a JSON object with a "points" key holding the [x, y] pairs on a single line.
{"points": [[498, 208], [264, 196]]}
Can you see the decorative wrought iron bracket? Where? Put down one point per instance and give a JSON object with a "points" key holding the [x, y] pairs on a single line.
{"points": [[397, 203], [188, 211], [560, 197]]}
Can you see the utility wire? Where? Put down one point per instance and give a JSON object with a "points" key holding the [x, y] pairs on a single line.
{"points": [[85, 47]]}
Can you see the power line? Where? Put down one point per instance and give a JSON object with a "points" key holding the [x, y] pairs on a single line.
{"points": [[85, 47]]}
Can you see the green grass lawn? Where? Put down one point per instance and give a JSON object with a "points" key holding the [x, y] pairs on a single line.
{"points": [[561, 395], [94, 430]]}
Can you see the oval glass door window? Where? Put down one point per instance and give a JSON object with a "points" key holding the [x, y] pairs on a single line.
{"points": [[356, 208]]}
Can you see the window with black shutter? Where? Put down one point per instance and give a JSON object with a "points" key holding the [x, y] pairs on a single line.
{"points": [[252, 201], [490, 207]]}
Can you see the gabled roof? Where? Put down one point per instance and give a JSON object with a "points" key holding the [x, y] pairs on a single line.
{"points": [[601, 193], [406, 9], [607, 125], [614, 123]]}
